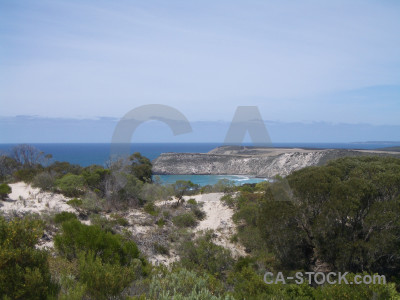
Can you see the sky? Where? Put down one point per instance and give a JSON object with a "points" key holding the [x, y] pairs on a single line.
{"points": [[299, 62]]}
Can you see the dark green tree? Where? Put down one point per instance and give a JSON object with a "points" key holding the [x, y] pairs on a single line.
{"points": [[345, 214], [141, 167], [5, 189]]}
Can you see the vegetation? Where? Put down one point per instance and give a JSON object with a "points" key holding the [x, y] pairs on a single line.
{"points": [[141, 167], [75, 202], [202, 254], [71, 185], [182, 187], [64, 216], [24, 271], [343, 216], [185, 220], [5, 189]]}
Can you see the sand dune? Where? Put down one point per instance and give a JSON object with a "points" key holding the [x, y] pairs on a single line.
{"points": [[25, 199]]}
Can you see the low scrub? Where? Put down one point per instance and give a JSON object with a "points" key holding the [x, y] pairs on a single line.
{"points": [[64, 216], [185, 220], [111, 248]]}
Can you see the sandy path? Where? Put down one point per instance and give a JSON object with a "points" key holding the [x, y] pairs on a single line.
{"points": [[219, 219]]}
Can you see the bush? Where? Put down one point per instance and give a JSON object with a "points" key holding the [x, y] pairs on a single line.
{"points": [[45, 181], [102, 222], [119, 220], [26, 175], [198, 212], [71, 185], [185, 284], [161, 222], [111, 248], [192, 201], [92, 203], [203, 255], [24, 270], [185, 220], [228, 200], [75, 202], [64, 216], [104, 280], [5, 189], [160, 249], [151, 208]]}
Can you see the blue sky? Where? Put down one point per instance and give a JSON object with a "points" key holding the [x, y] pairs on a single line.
{"points": [[336, 62]]}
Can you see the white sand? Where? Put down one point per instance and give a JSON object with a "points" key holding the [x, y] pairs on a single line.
{"points": [[219, 219], [26, 199]]}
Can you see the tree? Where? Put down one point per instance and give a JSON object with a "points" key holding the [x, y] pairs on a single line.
{"points": [[28, 155], [45, 181], [181, 187], [141, 167], [345, 214], [5, 189], [8, 166]]}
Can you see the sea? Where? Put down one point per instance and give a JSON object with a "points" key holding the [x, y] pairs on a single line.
{"points": [[85, 154]]}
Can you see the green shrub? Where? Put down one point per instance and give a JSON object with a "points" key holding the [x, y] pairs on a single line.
{"points": [[185, 284], [45, 181], [71, 185], [92, 203], [24, 270], [198, 212], [160, 249], [76, 237], [26, 175], [104, 280], [161, 222], [185, 220], [64, 216], [203, 255], [166, 214], [5, 189], [119, 220], [71, 289], [228, 200], [75, 202], [151, 208], [192, 201], [102, 222]]}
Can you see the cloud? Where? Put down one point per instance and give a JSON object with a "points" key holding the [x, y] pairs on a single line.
{"points": [[292, 59]]}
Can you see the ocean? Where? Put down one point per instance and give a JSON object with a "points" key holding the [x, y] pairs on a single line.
{"points": [[88, 154]]}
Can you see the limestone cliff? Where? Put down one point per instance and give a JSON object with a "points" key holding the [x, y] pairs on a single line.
{"points": [[260, 162]]}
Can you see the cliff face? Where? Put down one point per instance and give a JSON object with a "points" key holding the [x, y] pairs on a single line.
{"points": [[261, 162], [209, 164]]}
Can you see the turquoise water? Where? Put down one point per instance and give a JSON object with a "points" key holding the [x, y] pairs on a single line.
{"points": [[203, 180]]}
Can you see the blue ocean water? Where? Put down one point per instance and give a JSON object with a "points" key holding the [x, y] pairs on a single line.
{"points": [[88, 154]]}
